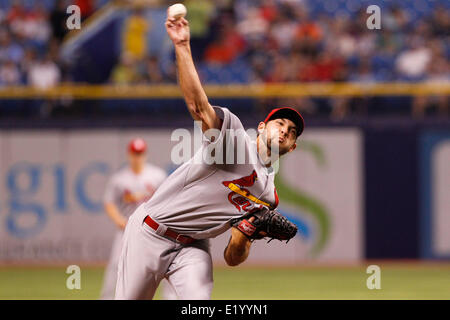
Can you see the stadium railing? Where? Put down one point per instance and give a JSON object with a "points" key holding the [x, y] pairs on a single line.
{"points": [[279, 90]]}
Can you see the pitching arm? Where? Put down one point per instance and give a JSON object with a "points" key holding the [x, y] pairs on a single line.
{"points": [[189, 81], [238, 248]]}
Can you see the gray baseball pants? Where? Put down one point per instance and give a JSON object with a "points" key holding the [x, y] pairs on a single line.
{"points": [[147, 257]]}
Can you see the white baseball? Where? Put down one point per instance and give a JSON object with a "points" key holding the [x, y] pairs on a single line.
{"points": [[178, 10]]}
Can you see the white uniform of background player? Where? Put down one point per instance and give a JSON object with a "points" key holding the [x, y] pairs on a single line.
{"points": [[125, 191], [167, 237]]}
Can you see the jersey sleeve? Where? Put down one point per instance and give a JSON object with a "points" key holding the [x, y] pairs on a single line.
{"points": [[111, 194], [219, 144], [229, 122], [160, 177]]}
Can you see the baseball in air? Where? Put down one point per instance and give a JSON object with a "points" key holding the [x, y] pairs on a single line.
{"points": [[178, 10]]}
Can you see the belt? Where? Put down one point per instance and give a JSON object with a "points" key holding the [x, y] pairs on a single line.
{"points": [[169, 233]]}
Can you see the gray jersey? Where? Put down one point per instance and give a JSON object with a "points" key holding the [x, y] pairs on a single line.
{"points": [[201, 199], [125, 187]]}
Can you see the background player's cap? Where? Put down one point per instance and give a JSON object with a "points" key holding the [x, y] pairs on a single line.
{"points": [[137, 145], [288, 113]]}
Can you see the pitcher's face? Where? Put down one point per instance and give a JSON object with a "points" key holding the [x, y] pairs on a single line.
{"points": [[280, 132]]}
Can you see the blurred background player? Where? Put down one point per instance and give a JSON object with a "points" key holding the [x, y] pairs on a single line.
{"points": [[125, 191]]}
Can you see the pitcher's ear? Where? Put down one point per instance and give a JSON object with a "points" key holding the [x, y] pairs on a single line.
{"points": [[293, 147], [261, 127]]}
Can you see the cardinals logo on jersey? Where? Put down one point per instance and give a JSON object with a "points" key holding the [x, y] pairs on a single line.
{"points": [[241, 197], [138, 197]]}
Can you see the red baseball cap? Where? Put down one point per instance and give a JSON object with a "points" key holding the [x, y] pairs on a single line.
{"points": [[137, 145], [288, 113]]}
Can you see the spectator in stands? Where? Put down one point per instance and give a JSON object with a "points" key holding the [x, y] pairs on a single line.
{"points": [[150, 71], [396, 19], [200, 14], [269, 10], [253, 27], [16, 12], [125, 72], [44, 73], [135, 35], [36, 27], [283, 31], [16, 18], [9, 74], [308, 34], [439, 21], [2, 16], [438, 72], [9, 49], [228, 45], [26, 63], [260, 65], [219, 53], [326, 68], [363, 74], [280, 70], [412, 63], [338, 38]]}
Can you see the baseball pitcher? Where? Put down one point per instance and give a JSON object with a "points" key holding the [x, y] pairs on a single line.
{"points": [[229, 183]]}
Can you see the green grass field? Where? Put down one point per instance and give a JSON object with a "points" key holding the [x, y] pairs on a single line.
{"points": [[398, 281]]}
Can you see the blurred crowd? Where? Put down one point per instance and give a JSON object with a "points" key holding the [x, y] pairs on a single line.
{"points": [[246, 41], [30, 38], [272, 41], [280, 41]]}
